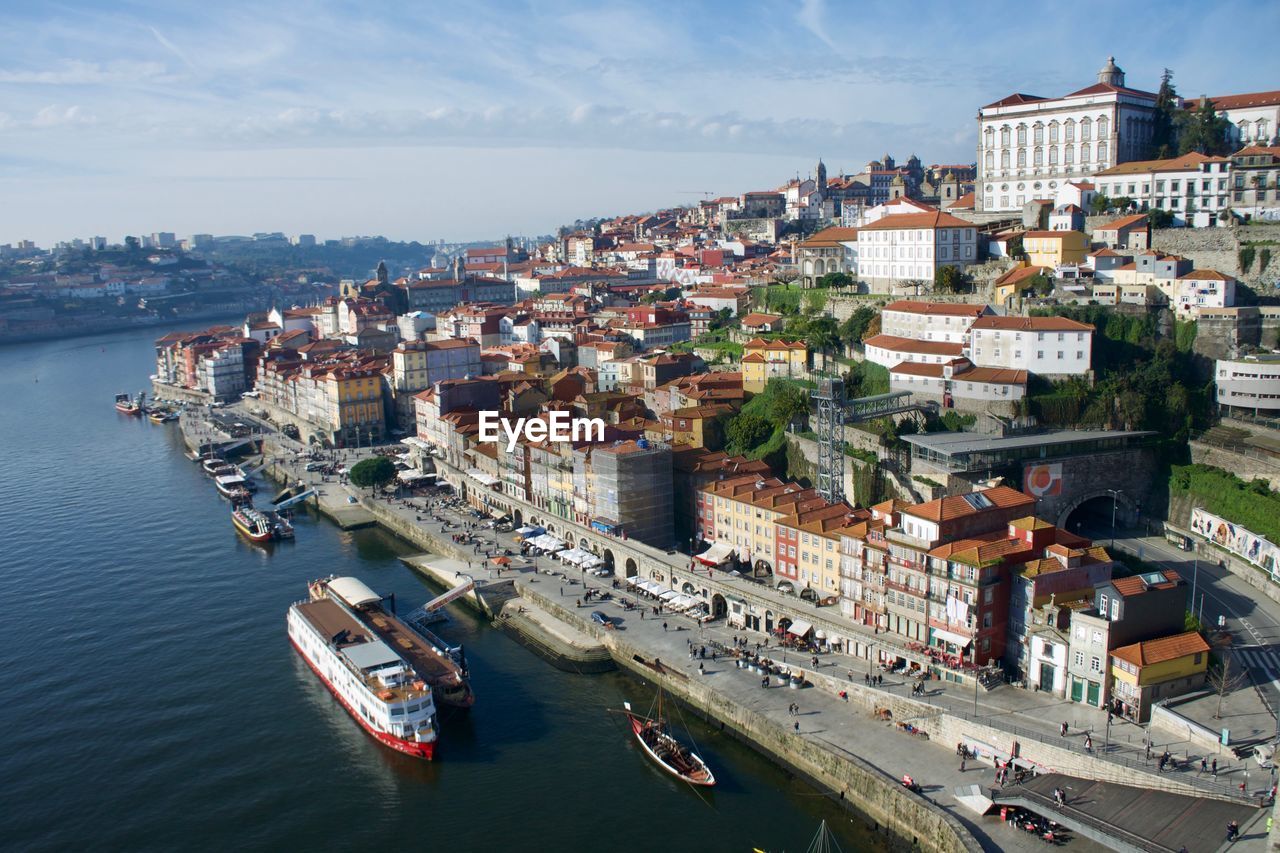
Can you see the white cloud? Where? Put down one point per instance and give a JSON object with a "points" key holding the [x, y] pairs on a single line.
{"points": [[810, 17]]}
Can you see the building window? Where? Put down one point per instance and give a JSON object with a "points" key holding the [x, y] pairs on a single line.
{"points": [[1095, 664]]}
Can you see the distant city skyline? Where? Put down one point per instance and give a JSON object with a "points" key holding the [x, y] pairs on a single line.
{"points": [[475, 120]]}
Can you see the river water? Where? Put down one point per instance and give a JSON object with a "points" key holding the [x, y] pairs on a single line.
{"points": [[152, 700]]}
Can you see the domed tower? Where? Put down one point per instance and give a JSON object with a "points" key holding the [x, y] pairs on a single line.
{"points": [[897, 187], [1111, 73]]}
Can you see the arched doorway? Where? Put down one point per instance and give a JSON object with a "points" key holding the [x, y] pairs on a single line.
{"points": [[809, 594], [518, 518], [584, 544], [687, 588], [551, 528], [608, 558], [762, 569], [719, 607], [631, 568], [787, 587], [768, 621], [783, 624]]}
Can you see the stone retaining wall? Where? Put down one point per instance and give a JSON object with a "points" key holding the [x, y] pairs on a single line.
{"points": [[864, 786]]}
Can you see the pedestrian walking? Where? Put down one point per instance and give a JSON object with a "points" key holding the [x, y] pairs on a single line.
{"points": [[664, 627], [701, 669], [1213, 768], [1062, 730], [962, 761], [1204, 766], [797, 727], [1088, 743]]}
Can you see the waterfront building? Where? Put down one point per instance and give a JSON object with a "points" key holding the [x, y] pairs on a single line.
{"points": [[807, 545], [1152, 671], [1124, 611], [739, 513], [417, 365], [624, 489]]}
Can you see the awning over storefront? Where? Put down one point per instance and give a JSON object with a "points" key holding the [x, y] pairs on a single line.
{"points": [[716, 555], [799, 628], [412, 476], [416, 443], [951, 637], [482, 478]]}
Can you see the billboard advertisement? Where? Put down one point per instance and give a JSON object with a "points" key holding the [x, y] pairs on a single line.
{"points": [[1239, 541], [1043, 481]]}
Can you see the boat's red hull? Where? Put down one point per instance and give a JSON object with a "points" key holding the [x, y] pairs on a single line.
{"points": [[128, 410], [425, 751]]}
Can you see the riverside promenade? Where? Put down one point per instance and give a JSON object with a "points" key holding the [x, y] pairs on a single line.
{"points": [[835, 734]]}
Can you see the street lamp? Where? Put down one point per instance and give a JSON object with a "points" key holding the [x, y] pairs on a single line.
{"points": [[1115, 496]]}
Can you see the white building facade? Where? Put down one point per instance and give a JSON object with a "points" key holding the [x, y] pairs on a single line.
{"points": [[1046, 346], [930, 321], [1251, 383], [1029, 146], [912, 247]]}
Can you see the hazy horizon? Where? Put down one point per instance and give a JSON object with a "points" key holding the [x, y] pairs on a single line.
{"points": [[468, 122]]}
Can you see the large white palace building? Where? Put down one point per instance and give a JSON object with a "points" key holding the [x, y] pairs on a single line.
{"points": [[1029, 146]]}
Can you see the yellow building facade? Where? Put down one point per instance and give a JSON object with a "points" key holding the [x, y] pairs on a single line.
{"points": [[764, 360], [1053, 248]]}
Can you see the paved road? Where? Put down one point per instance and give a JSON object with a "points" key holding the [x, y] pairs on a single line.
{"points": [[1252, 620]]}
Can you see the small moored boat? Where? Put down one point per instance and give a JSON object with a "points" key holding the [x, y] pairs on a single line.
{"points": [[127, 405], [252, 524], [667, 752]]}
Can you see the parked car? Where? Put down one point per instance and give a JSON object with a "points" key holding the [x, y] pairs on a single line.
{"points": [[315, 466]]}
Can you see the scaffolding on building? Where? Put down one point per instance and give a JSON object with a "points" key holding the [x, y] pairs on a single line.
{"points": [[830, 397]]}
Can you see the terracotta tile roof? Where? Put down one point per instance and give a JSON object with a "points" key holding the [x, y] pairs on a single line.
{"points": [[1016, 99], [758, 319], [1018, 274], [1163, 650], [1187, 162], [1032, 324], [1204, 275], [989, 375], [778, 344], [964, 202], [1124, 222], [1136, 585], [1104, 88], [929, 219], [894, 343], [832, 236], [1252, 99], [955, 506]]}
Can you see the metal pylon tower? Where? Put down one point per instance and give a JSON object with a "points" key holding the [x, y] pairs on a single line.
{"points": [[831, 405]]}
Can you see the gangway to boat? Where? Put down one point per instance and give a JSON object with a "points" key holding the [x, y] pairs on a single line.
{"points": [[298, 498], [458, 591]]}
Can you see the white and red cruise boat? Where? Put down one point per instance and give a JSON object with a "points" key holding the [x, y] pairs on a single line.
{"points": [[375, 674], [442, 667]]}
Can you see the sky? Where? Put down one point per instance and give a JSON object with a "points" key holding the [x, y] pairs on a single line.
{"points": [[472, 120]]}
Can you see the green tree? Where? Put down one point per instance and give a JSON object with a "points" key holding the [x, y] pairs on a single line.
{"points": [[1100, 204], [1122, 202], [1159, 219], [786, 401], [1163, 132], [853, 328], [1246, 258], [949, 279], [822, 334], [376, 471], [836, 279], [1203, 130], [746, 432]]}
